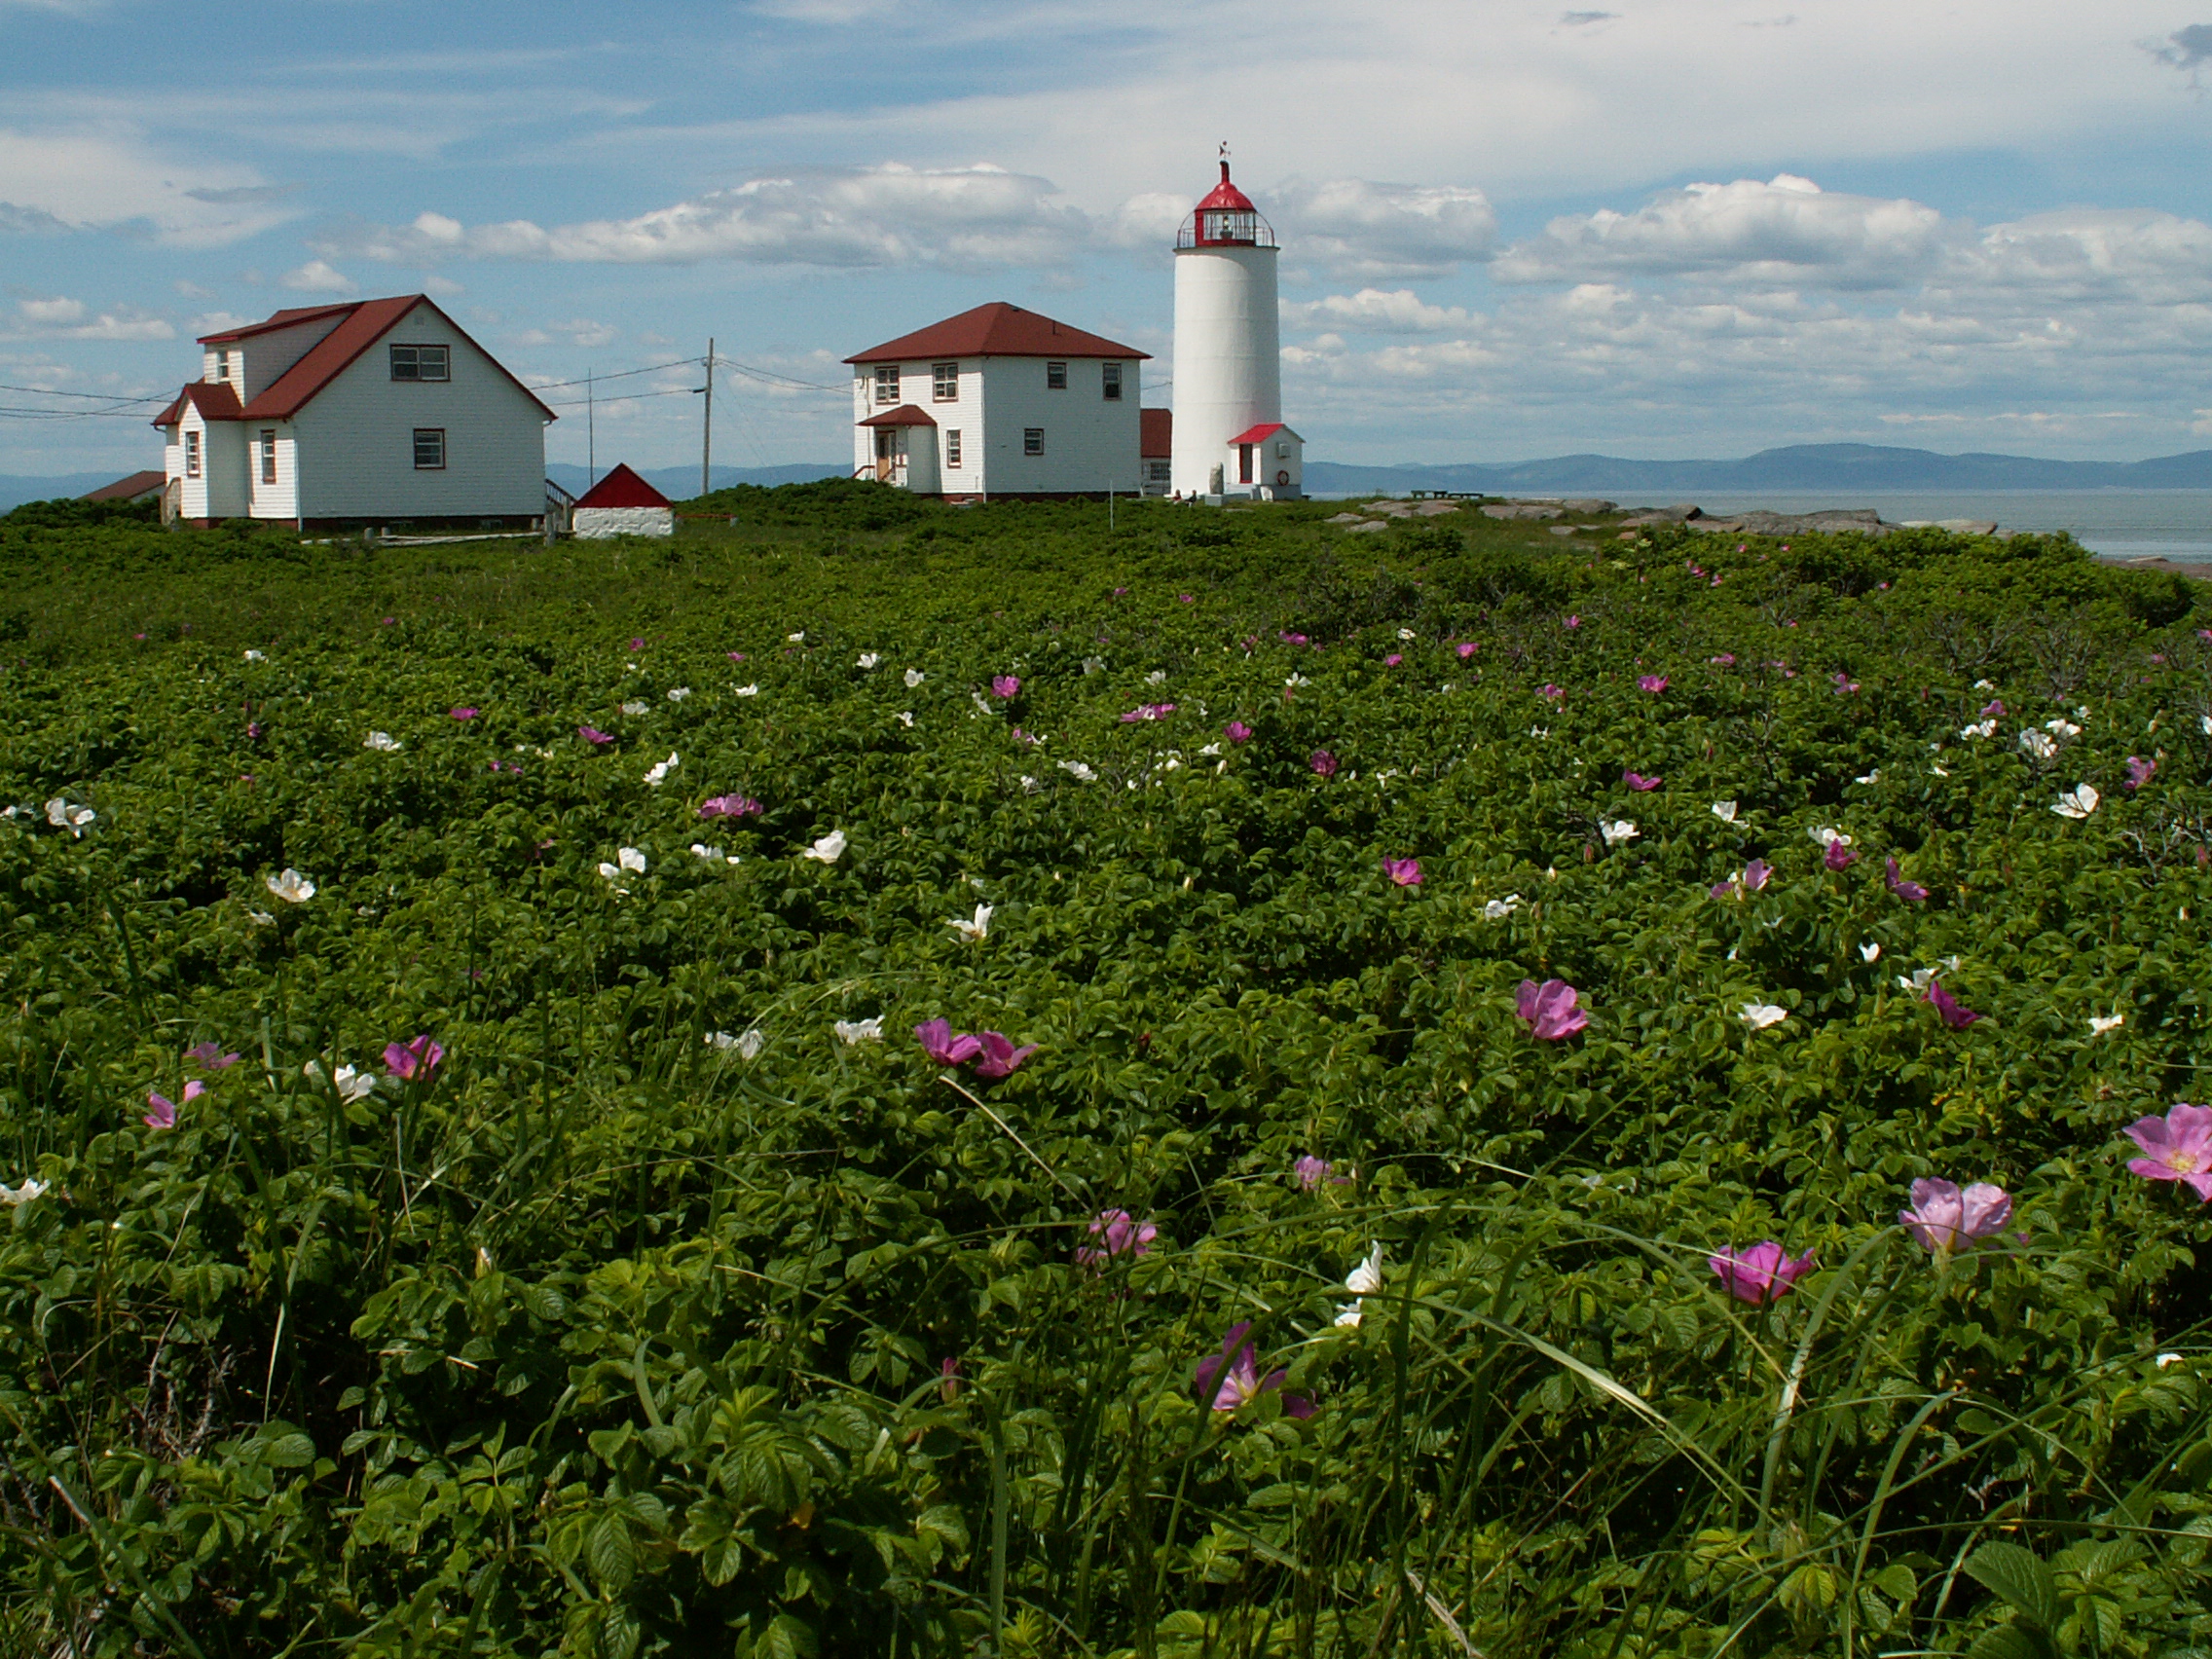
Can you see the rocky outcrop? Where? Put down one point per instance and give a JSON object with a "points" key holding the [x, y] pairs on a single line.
{"points": [[1523, 510]]}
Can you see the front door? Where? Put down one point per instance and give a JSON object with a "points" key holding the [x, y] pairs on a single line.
{"points": [[885, 453]]}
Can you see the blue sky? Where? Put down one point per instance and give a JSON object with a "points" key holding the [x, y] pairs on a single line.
{"points": [[1671, 227]]}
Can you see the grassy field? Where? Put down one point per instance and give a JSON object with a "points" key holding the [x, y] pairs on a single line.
{"points": [[1497, 1094]]}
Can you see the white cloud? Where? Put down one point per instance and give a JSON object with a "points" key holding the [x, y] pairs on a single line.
{"points": [[63, 318], [965, 218], [1357, 228], [1370, 310], [318, 277], [579, 331], [110, 179], [1779, 231]]}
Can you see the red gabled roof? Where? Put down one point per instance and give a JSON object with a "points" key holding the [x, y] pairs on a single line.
{"points": [[282, 319], [1156, 433], [906, 414], [129, 488], [622, 488], [995, 330], [369, 321], [1261, 433], [216, 400]]}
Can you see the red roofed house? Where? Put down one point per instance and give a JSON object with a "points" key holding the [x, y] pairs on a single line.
{"points": [[369, 410], [621, 505], [998, 402], [1157, 448]]}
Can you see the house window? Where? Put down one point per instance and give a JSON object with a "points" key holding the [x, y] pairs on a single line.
{"points": [[945, 383], [952, 449], [1156, 471], [1032, 440], [1110, 382], [269, 455], [887, 385], [1244, 463], [192, 455], [1055, 376], [430, 449], [222, 365], [421, 364]]}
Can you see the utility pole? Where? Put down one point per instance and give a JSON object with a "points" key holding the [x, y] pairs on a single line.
{"points": [[591, 434], [707, 426]]}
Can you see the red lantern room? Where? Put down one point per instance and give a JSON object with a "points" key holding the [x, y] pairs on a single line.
{"points": [[1226, 218]]}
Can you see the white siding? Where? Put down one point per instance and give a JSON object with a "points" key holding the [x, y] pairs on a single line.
{"points": [[356, 438], [220, 490], [1090, 443], [594, 524], [280, 500]]}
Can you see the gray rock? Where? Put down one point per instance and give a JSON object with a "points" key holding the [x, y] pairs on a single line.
{"points": [[1860, 521], [1567, 528], [1522, 510], [1365, 526], [1591, 505], [1431, 509], [1679, 514], [1343, 518]]}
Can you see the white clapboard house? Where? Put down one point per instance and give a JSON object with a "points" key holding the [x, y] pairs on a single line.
{"points": [[999, 401], [371, 411]]}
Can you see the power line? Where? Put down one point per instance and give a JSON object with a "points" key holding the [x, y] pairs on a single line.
{"points": [[86, 396]]}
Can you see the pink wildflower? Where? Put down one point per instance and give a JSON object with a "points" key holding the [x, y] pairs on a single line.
{"points": [[1003, 685], [1236, 732], [1406, 872], [1548, 1009], [1000, 1056], [1394, 659], [1652, 682], [1555, 692], [1465, 647], [1911, 892], [1762, 1275], [2139, 771], [2179, 1146], [1756, 874], [209, 1057], [593, 735], [161, 1110], [1946, 1219], [946, 1047], [1726, 659], [729, 806], [1232, 1376], [1324, 763], [462, 714], [1954, 1013], [1311, 1173], [1117, 1235], [1148, 712], [1640, 783], [1839, 856], [410, 1062]]}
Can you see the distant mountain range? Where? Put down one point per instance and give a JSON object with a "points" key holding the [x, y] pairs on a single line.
{"points": [[1825, 468], [1799, 468], [682, 483]]}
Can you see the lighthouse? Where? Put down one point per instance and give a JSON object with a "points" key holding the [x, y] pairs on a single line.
{"points": [[1228, 436]]}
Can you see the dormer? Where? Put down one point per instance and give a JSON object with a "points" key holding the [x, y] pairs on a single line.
{"points": [[250, 360]]}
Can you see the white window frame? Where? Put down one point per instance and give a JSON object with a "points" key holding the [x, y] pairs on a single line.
{"points": [[422, 432], [886, 384], [952, 449], [1055, 376], [1110, 382], [419, 358], [192, 455], [1032, 440], [267, 447], [945, 383]]}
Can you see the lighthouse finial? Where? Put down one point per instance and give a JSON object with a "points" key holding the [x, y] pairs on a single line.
{"points": [[1225, 160]]}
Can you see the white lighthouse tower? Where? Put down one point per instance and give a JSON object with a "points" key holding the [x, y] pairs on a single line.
{"points": [[1228, 436]]}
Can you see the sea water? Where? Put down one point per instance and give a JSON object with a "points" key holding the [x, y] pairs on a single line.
{"points": [[2119, 524]]}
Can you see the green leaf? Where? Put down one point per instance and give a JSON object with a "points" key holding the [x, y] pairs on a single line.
{"points": [[2012, 1641], [785, 1637], [610, 1555], [2020, 1578]]}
